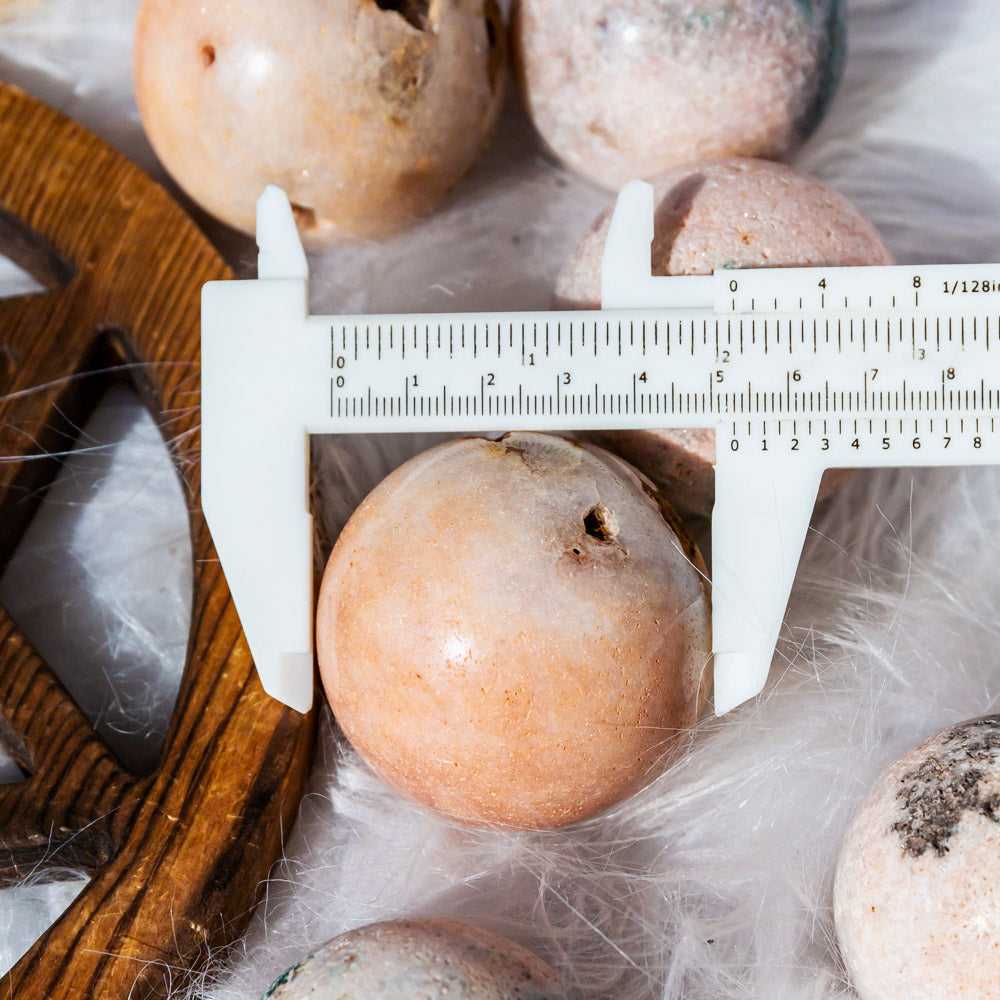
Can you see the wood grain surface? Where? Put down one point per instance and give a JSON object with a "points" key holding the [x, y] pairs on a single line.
{"points": [[178, 857]]}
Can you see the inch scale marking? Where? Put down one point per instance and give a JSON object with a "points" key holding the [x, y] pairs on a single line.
{"points": [[797, 370]]}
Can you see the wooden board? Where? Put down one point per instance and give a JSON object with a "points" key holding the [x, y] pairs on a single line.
{"points": [[177, 857]]}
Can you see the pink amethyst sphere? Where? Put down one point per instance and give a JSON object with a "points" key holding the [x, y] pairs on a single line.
{"points": [[721, 214], [514, 632], [367, 112], [621, 89], [917, 899], [425, 958]]}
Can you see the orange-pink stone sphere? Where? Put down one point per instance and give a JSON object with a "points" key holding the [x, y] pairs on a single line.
{"points": [[514, 632], [721, 214], [367, 112], [917, 897]]}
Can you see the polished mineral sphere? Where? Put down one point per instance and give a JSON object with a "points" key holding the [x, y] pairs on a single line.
{"points": [[621, 89], [367, 112], [514, 631], [917, 897], [721, 214], [425, 958]]}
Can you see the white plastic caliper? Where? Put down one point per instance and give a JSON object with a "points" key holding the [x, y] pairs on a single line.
{"points": [[797, 370]]}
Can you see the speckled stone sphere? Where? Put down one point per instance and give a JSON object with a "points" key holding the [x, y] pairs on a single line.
{"points": [[430, 959], [721, 214], [367, 112], [514, 631], [917, 895], [621, 89]]}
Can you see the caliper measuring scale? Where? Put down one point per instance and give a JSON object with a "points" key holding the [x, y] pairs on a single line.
{"points": [[796, 369]]}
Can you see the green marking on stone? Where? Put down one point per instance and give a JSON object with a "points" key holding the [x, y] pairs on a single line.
{"points": [[286, 977], [703, 19]]}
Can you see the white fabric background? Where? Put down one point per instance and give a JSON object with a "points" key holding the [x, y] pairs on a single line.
{"points": [[714, 884]]}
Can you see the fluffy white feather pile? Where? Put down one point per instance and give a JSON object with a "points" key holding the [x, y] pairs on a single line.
{"points": [[715, 882]]}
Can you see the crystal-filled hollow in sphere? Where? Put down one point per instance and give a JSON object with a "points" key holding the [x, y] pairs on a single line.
{"points": [[367, 112], [514, 632], [621, 89]]}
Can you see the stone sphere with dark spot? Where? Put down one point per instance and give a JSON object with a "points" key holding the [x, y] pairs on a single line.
{"points": [[514, 632], [430, 959], [917, 897], [721, 214], [621, 89], [367, 112]]}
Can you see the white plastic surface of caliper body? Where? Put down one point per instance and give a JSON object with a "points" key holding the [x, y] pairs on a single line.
{"points": [[797, 370]]}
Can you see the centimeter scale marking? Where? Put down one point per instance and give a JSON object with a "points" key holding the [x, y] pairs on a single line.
{"points": [[797, 370], [642, 363]]}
